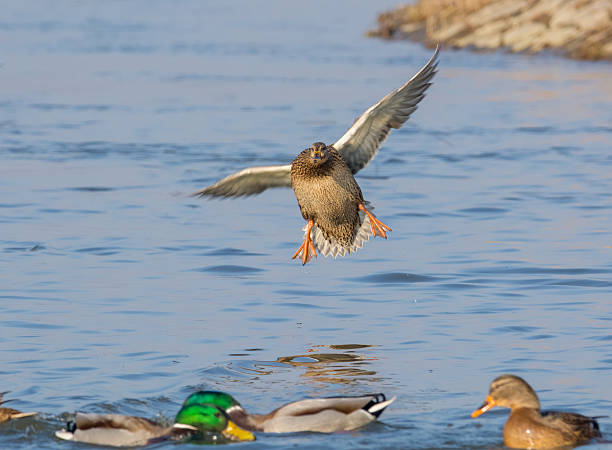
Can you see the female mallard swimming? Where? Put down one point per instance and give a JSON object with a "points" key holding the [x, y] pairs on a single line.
{"points": [[527, 426], [10, 413], [322, 176], [323, 415], [127, 431]]}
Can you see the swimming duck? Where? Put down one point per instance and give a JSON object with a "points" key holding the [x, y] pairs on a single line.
{"points": [[192, 421], [527, 426], [323, 415], [10, 413], [330, 200]]}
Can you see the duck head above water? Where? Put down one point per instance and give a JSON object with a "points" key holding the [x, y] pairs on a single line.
{"points": [[211, 418], [224, 401], [217, 398], [509, 391], [319, 152]]}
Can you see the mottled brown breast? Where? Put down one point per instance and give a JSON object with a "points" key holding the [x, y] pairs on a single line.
{"points": [[327, 194]]}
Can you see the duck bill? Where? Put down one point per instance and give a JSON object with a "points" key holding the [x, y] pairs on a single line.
{"points": [[235, 433], [487, 405]]}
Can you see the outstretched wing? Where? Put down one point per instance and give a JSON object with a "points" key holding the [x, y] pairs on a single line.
{"points": [[361, 142], [250, 181]]}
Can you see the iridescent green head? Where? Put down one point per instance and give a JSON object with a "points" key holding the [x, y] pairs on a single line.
{"points": [[208, 418], [218, 398]]}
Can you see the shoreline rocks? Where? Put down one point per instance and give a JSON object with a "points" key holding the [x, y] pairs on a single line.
{"points": [[579, 29]]}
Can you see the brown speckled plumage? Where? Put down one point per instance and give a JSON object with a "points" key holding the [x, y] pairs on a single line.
{"points": [[527, 426], [328, 194], [10, 413]]}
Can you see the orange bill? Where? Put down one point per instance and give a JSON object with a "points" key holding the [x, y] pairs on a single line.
{"points": [[487, 405]]}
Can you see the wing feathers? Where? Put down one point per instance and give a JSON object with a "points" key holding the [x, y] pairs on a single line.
{"points": [[361, 142], [250, 181], [345, 405], [85, 421]]}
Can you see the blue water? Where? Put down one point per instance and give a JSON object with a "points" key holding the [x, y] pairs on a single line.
{"points": [[122, 293]]}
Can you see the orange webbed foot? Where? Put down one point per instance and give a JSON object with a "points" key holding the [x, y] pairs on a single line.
{"points": [[378, 228], [307, 248]]}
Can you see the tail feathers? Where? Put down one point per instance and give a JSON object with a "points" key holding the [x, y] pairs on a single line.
{"points": [[23, 414], [330, 246], [66, 435], [594, 421], [378, 404]]}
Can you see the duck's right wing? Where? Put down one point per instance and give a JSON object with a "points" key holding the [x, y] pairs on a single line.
{"points": [[250, 181]]}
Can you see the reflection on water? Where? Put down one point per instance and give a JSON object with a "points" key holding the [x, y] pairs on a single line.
{"points": [[342, 368]]}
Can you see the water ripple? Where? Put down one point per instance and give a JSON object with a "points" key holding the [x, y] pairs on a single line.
{"points": [[229, 269], [396, 277], [99, 251], [230, 251]]}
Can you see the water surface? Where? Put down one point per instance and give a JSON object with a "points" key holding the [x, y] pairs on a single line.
{"points": [[121, 293]]}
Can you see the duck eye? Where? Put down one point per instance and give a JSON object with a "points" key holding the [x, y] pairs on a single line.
{"points": [[217, 415]]}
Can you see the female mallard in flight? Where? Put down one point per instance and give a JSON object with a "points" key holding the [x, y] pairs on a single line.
{"points": [[323, 415], [10, 413], [527, 426], [192, 421], [338, 218]]}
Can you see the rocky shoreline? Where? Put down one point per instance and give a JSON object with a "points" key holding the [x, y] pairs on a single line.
{"points": [[579, 29]]}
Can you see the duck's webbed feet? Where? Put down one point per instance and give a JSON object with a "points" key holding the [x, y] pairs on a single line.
{"points": [[378, 228], [307, 248]]}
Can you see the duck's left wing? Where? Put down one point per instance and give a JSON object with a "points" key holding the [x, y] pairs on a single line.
{"points": [[361, 142]]}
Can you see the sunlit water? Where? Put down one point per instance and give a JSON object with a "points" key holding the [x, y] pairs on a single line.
{"points": [[121, 293]]}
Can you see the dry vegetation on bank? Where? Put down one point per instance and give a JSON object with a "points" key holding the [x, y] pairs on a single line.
{"points": [[580, 29]]}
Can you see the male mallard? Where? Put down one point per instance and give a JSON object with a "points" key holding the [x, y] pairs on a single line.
{"points": [[10, 413], [323, 415], [338, 219], [117, 430], [527, 426]]}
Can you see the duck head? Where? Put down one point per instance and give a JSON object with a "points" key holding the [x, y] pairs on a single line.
{"points": [[209, 418], [217, 398], [319, 153], [226, 402], [509, 391]]}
